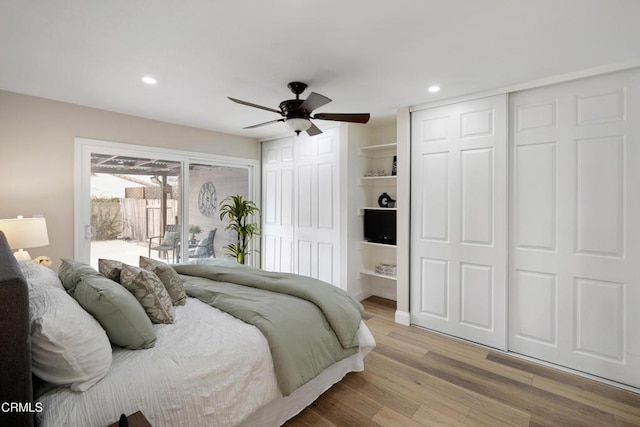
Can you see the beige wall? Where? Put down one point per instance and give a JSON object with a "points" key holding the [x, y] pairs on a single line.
{"points": [[37, 151]]}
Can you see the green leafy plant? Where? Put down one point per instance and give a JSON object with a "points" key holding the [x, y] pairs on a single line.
{"points": [[194, 230], [240, 213]]}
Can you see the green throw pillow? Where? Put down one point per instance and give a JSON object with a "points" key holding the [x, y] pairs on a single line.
{"points": [[71, 271], [119, 313]]}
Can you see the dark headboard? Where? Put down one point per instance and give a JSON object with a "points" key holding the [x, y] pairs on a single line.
{"points": [[15, 350]]}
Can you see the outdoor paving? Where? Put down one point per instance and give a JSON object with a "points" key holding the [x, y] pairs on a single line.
{"points": [[121, 250]]}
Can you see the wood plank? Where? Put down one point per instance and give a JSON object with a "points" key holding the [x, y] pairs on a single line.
{"points": [[418, 377], [429, 416], [408, 347], [479, 418], [416, 383], [383, 302], [387, 417], [605, 402], [380, 393], [478, 359], [514, 394]]}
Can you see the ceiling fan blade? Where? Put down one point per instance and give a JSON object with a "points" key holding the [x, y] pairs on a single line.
{"points": [[315, 100], [265, 123], [346, 117], [250, 104], [313, 130]]}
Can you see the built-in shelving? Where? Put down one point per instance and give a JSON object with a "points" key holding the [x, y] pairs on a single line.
{"points": [[380, 245], [374, 274], [379, 160], [377, 178], [376, 208], [365, 151]]}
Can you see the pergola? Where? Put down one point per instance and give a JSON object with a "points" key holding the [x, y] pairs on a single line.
{"points": [[126, 165]]}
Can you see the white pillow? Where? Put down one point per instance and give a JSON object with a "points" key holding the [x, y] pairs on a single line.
{"points": [[39, 275], [68, 346]]}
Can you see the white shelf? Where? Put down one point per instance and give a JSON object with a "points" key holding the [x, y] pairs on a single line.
{"points": [[378, 208], [374, 274], [377, 178], [381, 147], [380, 245]]}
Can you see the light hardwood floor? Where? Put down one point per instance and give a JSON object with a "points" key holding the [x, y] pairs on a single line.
{"points": [[418, 378]]}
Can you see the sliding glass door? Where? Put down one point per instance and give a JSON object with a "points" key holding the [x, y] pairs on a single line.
{"points": [[135, 208], [209, 185], [132, 201]]}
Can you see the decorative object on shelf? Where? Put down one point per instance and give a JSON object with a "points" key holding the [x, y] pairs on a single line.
{"points": [[239, 210], [387, 269], [24, 233], [394, 167], [207, 199], [385, 201], [375, 172]]}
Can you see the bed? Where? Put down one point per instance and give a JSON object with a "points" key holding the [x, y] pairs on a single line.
{"points": [[206, 368]]}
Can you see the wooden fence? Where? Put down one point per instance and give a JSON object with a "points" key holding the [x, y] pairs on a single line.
{"points": [[141, 218]]}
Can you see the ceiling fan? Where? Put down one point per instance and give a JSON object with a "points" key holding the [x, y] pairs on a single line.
{"points": [[296, 113]]}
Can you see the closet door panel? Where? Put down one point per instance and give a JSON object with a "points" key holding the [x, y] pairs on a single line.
{"points": [[435, 215], [535, 184], [277, 207], [575, 231], [301, 205], [317, 231], [458, 208], [600, 196], [476, 181]]}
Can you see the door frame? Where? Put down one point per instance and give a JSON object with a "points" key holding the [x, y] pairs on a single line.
{"points": [[83, 147]]}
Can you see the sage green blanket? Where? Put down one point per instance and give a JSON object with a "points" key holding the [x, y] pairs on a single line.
{"points": [[309, 324]]}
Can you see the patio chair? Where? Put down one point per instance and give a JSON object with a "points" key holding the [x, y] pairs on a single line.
{"points": [[170, 242], [205, 248]]}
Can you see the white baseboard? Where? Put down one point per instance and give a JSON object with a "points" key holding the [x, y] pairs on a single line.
{"points": [[403, 318], [391, 294]]}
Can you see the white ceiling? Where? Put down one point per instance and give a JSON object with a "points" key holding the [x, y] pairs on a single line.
{"points": [[367, 55]]}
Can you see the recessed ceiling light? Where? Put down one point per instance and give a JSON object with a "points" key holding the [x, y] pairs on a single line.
{"points": [[149, 80], [434, 89]]}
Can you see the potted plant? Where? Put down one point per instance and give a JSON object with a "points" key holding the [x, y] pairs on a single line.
{"points": [[194, 230], [240, 213]]}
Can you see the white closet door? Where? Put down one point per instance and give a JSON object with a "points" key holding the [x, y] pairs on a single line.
{"points": [[574, 293], [317, 195], [458, 219], [300, 206], [277, 205]]}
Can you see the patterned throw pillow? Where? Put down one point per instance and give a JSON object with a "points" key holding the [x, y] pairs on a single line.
{"points": [[149, 291], [170, 279], [110, 268]]}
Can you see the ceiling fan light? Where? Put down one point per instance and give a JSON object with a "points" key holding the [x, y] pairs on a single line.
{"points": [[298, 125]]}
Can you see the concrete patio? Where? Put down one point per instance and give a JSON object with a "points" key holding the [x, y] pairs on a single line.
{"points": [[121, 250]]}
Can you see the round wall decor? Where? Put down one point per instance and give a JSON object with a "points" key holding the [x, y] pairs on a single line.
{"points": [[207, 199]]}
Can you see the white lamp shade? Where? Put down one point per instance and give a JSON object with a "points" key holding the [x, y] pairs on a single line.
{"points": [[298, 125], [24, 233]]}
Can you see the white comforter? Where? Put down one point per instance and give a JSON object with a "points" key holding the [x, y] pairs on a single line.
{"points": [[207, 368]]}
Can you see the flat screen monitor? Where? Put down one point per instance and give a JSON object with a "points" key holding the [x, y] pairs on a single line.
{"points": [[380, 226]]}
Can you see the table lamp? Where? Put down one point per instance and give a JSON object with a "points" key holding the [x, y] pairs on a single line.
{"points": [[24, 233]]}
